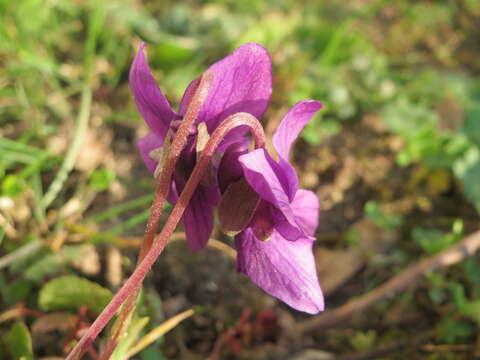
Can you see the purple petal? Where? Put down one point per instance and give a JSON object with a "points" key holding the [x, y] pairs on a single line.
{"points": [[198, 218], [306, 209], [237, 207], [281, 268], [229, 168], [145, 145], [187, 96], [292, 124], [287, 175], [242, 83], [289, 229], [262, 223], [151, 103], [269, 180], [261, 175]]}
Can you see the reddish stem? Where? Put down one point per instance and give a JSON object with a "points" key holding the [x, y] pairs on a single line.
{"points": [[228, 337], [79, 325], [175, 148], [26, 311], [135, 280], [92, 352], [178, 143]]}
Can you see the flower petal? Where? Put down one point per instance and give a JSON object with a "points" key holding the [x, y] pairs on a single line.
{"points": [[151, 103], [229, 168], [236, 207], [287, 175], [242, 83], [281, 268], [198, 219], [187, 96], [261, 175], [263, 222], [145, 145], [269, 180], [292, 124], [306, 209]]}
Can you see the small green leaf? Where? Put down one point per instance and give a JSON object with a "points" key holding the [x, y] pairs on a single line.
{"points": [[403, 158], [17, 291], [457, 227], [12, 186], [320, 129], [436, 295], [353, 237], [472, 125], [271, 31], [467, 169], [375, 213], [19, 342], [152, 353], [51, 263], [471, 309], [71, 292], [364, 340], [174, 51], [101, 179], [131, 337], [458, 294], [472, 271], [453, 330], [432, 240]]}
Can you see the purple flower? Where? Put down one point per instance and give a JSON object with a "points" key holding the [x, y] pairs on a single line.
{"points": [[242, 83], [257, 197], [275, 247]]}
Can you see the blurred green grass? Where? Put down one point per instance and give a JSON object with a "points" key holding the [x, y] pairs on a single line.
{"points": [[64, 68]]}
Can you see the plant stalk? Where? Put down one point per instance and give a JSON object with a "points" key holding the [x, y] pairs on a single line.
{"points": [[164, 180], [136, 279]]}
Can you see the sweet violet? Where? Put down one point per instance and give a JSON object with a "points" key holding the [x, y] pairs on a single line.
{"points": [[269, 204], [201, 159]]}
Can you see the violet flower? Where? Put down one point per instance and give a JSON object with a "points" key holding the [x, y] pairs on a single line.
{"points": [[257, 197], [242, 83], [275, 246]]}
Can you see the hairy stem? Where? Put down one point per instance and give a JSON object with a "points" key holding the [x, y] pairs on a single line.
{"points": [[178, 143], [136, 279], [170, 160]]}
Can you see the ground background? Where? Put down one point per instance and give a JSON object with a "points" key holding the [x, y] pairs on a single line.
{"points": [[394, 158]]}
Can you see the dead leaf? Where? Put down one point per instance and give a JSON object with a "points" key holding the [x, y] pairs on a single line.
{"points": [[312, 354], [114, 266], [451, 114], [336, 267], [58, 321], [96, 150], [89, 261]]}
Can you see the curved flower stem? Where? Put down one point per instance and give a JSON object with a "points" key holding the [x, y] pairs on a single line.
{"points": [[178, 143], [135, 280], [170, 159]]}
